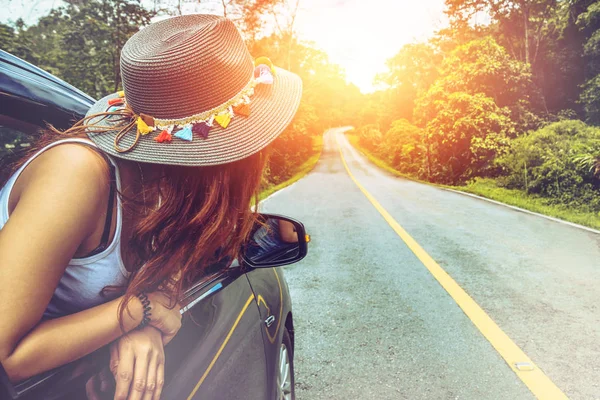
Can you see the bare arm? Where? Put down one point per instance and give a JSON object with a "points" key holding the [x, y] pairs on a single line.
{"points": [[57, 210]]}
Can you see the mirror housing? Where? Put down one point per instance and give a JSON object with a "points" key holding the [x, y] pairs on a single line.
{"points": [[275, 241]]}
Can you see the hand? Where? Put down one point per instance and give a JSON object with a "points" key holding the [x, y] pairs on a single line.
{"points": [[165, 319], [137, 362]]}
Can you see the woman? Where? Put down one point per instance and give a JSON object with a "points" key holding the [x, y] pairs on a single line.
{"points": [[102, 227]]}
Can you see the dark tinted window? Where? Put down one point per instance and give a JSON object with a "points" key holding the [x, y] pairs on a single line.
{"points": [[15, 137]]}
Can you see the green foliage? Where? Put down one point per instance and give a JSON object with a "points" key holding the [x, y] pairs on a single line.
{"points": [[483, 66], [7, 38], [551, 162], [465, 135], [402, 148], [589, 24], [369, 136], [81, 42], [590, 97]]}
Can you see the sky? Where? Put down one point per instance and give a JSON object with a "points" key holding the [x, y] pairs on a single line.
{"points": [[359, 35]]}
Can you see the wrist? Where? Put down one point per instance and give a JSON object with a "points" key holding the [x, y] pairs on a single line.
{"points": [[143, 298], [133, 314]]}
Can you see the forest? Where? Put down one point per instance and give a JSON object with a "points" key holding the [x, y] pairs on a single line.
{"points": [[503, 101], [80, 42], [506, 97]]}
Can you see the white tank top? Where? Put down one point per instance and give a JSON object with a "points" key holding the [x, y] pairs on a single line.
{"points": [[81, 285]]}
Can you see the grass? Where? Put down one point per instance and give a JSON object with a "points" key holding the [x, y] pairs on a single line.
{"points": [[302, 170], [489, 189]]}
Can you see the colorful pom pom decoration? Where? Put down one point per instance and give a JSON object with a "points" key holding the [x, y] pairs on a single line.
{"points": [[115, 101], [142, 127], [201, 129], [243, 109], [266, 61], [263, 74], [200, 124], [163, 137], [223, 119], [185, 134]]}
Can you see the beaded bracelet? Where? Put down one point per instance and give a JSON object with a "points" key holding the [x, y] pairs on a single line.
{"points": [[146, 304]]}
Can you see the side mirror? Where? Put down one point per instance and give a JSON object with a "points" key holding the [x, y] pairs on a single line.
{"points": [[275, 241]]}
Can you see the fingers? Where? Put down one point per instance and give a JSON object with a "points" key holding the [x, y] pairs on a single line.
{"points": [[160, 380], [140, 377], [151, 380], [114, 359], [124, 370]]}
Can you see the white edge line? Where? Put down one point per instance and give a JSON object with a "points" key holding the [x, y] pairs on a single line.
{"points": [[562, 221]]}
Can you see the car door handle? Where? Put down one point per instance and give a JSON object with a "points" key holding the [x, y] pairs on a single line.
{"points": [[269, 321]]}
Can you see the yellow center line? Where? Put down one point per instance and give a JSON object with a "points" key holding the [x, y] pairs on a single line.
{"points": [[535, 379], [214, 360]]}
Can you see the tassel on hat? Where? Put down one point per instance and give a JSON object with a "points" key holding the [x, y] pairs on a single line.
{"points": [[185, 134], [164, 136], [243, 109], [223, 119], [263, 74], [201, 129], [142, 127]]}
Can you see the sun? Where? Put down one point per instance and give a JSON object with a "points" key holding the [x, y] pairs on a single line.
{"points": [[360, 35]]}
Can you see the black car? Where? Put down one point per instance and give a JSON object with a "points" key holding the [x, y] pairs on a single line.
{"points": [[237, 338]]}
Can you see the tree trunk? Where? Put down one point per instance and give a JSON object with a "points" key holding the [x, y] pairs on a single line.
{"points": [[526, 27]]}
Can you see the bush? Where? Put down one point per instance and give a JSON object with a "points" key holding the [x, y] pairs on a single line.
{"points": [[369, 137], [402, 148], [546, 162]]}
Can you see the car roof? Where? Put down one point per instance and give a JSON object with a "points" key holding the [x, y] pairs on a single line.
{"points": [[25, 85]]}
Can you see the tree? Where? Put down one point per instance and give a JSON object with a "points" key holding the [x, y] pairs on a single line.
{"points": [[7, 38], [410, 73], [82, 41], [483, 66], [589, 23], [250, 16], [520, 23], [464, 134]]}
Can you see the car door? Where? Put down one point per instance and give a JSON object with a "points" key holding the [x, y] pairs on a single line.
{"points": [[272, 297], [217, 354]]}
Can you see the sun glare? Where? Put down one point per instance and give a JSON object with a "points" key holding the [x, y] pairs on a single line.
{"points": [[361, 35]]}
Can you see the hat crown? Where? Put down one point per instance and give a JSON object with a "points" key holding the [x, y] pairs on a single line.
{"points": [[184, 66]]}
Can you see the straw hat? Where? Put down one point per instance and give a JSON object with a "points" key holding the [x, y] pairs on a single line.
{"points": [[193, 96]]}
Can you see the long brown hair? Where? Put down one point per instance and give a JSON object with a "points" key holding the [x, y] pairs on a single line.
{"points": [[204, 216]]}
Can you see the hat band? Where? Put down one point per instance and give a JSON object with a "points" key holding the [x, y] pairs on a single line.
{"points": [[200, 124], [243, 97]]}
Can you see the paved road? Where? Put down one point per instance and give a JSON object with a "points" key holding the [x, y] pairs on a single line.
{"points": [[372, 322]]}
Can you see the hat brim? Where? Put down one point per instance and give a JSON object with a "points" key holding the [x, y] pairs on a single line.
{"points": [[272, 109]]}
